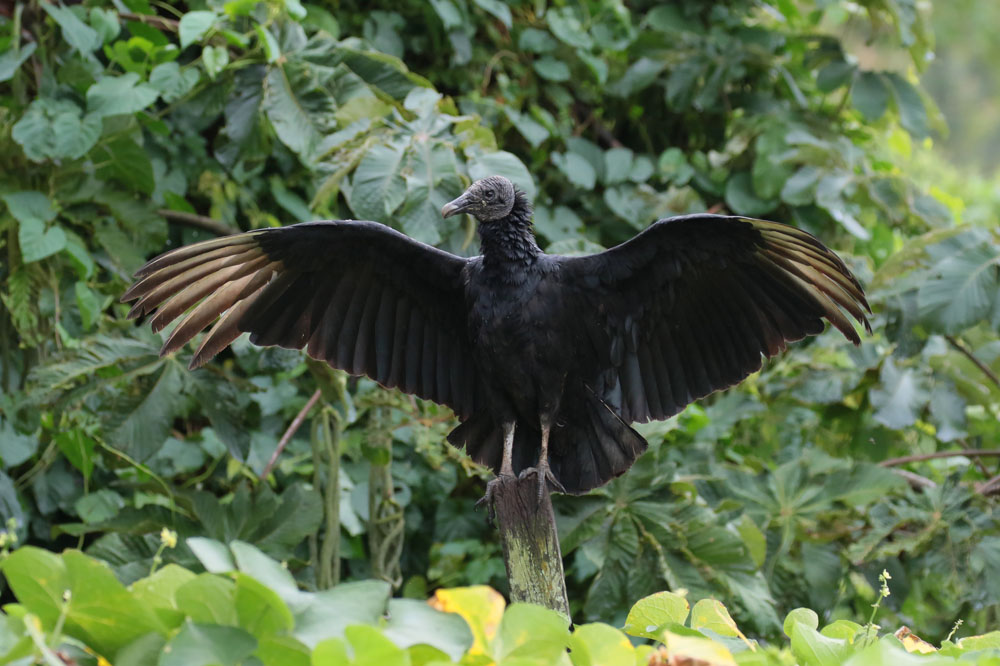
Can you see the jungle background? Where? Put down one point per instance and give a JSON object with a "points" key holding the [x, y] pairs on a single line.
{"points": [[130, 127]]}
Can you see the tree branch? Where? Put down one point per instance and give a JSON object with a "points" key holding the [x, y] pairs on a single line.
{"points": [[151, 19], [968, 453], [960, 346], [915, 480], [287, 437], [990, 487], [197, 221]]}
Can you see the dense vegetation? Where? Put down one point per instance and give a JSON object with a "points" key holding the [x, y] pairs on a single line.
{"points": [[128, 129]]}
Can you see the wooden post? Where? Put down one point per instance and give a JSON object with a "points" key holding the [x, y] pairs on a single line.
{"points": [[530, 544]]}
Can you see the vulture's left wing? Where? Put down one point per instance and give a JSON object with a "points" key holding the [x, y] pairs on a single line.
{"points": [[691, 304], [358, 295]]}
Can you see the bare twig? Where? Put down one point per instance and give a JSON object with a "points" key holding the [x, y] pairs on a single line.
{"points": [[960, 346], [287, 437], [199, 221], [600, 128], [151, 19], [915, 480], [968, 453], [990, 487]]}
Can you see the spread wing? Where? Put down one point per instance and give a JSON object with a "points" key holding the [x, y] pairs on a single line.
{"points": [[693, 303], [358, 295]]}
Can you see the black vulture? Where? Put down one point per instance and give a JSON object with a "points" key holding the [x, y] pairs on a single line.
{"points": [[546, 360]]}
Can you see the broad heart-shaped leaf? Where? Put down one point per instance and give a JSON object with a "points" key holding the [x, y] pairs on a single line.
{"points": [[159, 592], [139, 423], [173, 82], [208, 645], [324, 614], [259, 608], [741, 198], [99, 611], [962, 287], [12, 59], [15, 448], [684, 649], [293, 114], [498, 9], [598, 644], [29, 205], [814, 649], [651, 613], [711, 614], [480, 605], [207, 598], [576, 169], [370, 646], [414, 622], [870, 95], [77, 34], [213, 555], [215, 59], [378, 188], [948, 412], [283, 651], [194, 25], [56, 128], [912, 114], [114, 95], [531, 631], [37, 242], [75, 135], [901, 396], [250, 560], [127, 163]]}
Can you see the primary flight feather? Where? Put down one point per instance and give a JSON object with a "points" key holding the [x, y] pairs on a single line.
{"points": [[546, 360]]}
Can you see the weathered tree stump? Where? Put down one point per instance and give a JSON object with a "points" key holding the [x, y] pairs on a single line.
{"points": [[530, 544]]}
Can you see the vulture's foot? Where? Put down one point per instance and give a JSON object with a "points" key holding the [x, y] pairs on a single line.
{"points": [[487, 500], [545, 477]]}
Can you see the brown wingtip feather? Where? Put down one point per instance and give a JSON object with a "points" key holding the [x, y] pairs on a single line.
{"points": [[818, 272]]}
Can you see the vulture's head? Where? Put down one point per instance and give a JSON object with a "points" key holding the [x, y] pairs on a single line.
{"points": [[488, 199]]}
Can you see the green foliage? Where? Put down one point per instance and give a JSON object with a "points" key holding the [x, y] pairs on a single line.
{"points": [[251, 612], [126, 132]]}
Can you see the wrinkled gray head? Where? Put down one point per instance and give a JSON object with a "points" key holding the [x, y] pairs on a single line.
{"points": [[488, 199]]}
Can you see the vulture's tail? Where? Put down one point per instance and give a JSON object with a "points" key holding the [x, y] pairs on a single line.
{"points": [[587, 448]]}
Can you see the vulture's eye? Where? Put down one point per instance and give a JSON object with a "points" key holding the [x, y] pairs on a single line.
{"points": [[489, 195]]}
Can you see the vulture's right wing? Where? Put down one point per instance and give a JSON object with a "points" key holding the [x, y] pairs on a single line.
{"points": [[693, 303], [358, 295]]}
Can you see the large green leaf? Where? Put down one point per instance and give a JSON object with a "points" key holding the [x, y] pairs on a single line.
{"points": [[98, 609], [138, 423], [962, 284], [378, 187], [208, 645], [115, 95], [900, 397], [77, 34]]}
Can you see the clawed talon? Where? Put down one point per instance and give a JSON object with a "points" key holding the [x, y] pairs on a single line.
{"points": [[544, 475], [487, 500]]}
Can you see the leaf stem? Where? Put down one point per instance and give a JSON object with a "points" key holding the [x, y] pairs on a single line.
{"points": [[961, 347], [968, 453], [292, 429], [198, 221]]}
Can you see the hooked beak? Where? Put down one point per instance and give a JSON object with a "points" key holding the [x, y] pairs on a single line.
{"points": [[455, 207]]}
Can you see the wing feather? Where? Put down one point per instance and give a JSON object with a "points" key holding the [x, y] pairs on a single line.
{"points": [[708, 297], [358, 295]]}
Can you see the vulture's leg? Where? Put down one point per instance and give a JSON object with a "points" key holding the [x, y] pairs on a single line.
{"points": [[545, 475], [506, 470], [507, 466]]}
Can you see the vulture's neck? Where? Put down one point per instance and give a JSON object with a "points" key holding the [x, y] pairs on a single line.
{"points": [[510, 241]]}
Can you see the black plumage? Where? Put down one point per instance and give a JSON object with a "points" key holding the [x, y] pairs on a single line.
{"points": [[545, 359]]}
